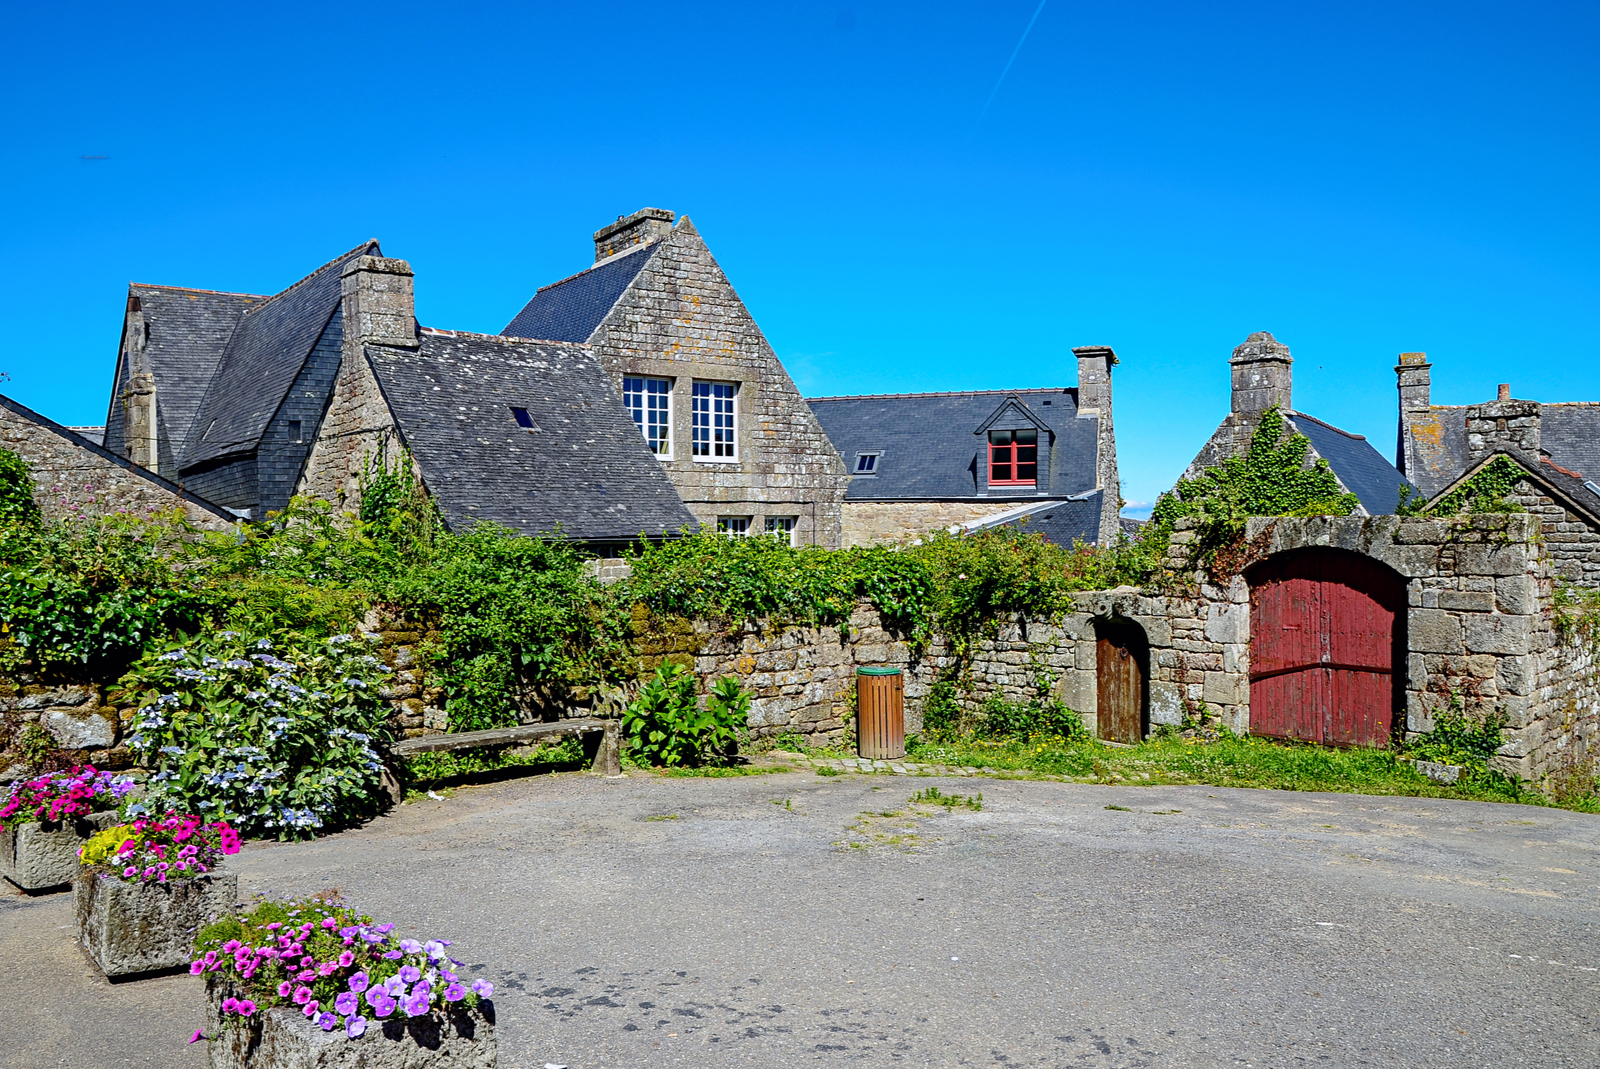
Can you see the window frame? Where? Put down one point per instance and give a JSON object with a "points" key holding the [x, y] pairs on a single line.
{"points": [[792, 530], [733, 415], [671, 438], [1013, 462], [871, 472], [724, 526]]}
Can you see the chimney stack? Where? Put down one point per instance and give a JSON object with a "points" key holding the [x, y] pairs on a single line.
{"points": [[1261, 375], [1504, 392], [640, 228], [1094, 399], [1415, 382], [379, 302]]}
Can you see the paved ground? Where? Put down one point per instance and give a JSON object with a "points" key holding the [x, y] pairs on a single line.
{"points": [[1199, 927]]}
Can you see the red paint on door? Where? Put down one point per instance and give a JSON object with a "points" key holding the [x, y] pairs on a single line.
{"points": [[1324, 647]]}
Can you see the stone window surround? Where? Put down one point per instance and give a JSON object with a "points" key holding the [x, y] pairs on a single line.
{"points": [[733, 415]]}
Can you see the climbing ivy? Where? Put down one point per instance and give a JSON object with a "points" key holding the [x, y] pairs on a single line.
{"points": [[1271, 479], [1487, 491], [17, 505]]}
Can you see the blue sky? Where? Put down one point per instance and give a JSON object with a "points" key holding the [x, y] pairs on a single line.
{"points": [[1361, 180]]}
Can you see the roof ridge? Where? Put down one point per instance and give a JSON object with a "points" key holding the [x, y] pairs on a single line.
{"points": [[302, 281], [616, 256], [196, 289], [500, 337], [947, 393], [1293, 414]]}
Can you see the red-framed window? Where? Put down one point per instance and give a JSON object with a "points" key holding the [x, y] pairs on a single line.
{"points": [[1014, 458]]}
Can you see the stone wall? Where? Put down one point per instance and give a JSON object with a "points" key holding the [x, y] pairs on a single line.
{"points": [[77, 716], [871, 523], [1572, 543], [75, 477], [681, 319]]}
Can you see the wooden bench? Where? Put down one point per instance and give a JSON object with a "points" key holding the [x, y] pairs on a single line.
{"points": [[600, 741]]}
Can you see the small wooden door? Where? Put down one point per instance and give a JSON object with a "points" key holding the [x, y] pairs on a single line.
{"points": [[1324, 635], [1119, 674]]}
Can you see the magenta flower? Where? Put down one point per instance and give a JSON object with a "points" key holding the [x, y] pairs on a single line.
{"points": [[329, 922], [483, 987], [229, 1005], [328, 1022], [359, 981], [346, 960], [196, 968], [284, 989], [455, 993], [129, 872], [302, 995], [246, 1007], [347, 1003], [305, 976], [354, 1026], [311, 1009], [197, 1037]]}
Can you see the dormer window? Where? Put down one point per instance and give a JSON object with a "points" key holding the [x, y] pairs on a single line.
{"points": [[1014, 458], [867, 463]]}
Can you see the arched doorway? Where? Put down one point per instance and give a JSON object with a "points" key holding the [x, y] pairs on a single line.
{"points": [[1326, 647], [1122, 669]]}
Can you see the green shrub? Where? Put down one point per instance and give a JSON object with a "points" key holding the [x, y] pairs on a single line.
{"points": [[1047, 718], [1458, 739], [665, 725], [276, 740], [17, 506]]}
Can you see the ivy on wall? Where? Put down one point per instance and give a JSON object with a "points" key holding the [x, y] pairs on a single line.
{"points": [[1487, 491], [16, 491]]}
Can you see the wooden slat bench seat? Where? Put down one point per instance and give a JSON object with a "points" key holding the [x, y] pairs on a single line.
{"points": [[600, 738]]}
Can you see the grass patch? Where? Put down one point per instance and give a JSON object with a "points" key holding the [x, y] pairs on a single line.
{"points": [[1232, 761], [428, 771]]}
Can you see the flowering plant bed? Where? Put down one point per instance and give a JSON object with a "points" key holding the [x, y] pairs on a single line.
{"points": [[44, 821], [313, 983], [145, 888]]}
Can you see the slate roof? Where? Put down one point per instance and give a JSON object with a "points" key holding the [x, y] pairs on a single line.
{"points": [[1075, 519], [265, 353], [1361, 468], [1569, 487], [584, 468], [1568, 431], [571, 310], [930, 451], [188, 332]]}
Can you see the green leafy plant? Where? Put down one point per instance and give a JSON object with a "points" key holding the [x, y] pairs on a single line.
{"points": [[665, 725], [1487, 491], [275, 740], [933, 796], [1458, 739], [17, 506], [1045, 718]]}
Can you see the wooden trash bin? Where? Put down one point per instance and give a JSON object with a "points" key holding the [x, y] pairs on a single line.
{"points": [[880, 713]]}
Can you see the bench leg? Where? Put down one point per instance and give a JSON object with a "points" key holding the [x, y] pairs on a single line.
{"points": [[607, 755]]}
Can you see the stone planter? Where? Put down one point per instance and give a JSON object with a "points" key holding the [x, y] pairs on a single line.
{"points": [[40, 857], [282, 1038], [134, 928]]}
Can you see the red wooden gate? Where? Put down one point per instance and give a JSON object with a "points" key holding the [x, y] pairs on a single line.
{"points": [[1324, 647]]}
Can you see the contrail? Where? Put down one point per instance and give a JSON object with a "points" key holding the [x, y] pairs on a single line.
{"points": [[1013, 58]]}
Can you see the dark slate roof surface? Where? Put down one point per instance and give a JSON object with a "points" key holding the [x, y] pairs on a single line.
{"points": [[189, 331], [1570, 433], [571, 309], [1061, 522], [266, 352], [1361, 468], [585, 469], [930, 451]]}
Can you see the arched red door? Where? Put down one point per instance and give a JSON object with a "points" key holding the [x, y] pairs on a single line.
{"points": [[1325, 650]]}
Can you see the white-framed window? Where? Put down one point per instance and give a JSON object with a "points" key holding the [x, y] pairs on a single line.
{"points": [[782, 527], [866, 463], [649, 402], [716, 431], [733, 526]]}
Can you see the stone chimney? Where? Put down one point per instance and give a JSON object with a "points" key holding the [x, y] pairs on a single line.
{"points": [[1415, 382], [1261, 375], [1502, 424], [379, 303], [140, 439], [640, 228], [1094, 399]]}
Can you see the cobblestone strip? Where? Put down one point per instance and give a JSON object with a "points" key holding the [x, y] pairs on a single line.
{"points": [[902, 768]]}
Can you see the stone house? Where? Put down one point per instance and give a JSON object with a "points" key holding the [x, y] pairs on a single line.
{"points": [[1046, 459], [1443, 447], [1263, 378], [247, 400], [708, 394]]}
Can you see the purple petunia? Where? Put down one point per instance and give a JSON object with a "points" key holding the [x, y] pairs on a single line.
{"points": [[384, 929], [410, 973], [384, 1007], [393, 955], [455, 993], [354, 1026], [328, 1022], [483, 987], [417, 1005], [411, 946], [359, 981], [346, 1003]]}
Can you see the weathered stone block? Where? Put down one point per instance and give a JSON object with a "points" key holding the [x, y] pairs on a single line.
{"points": [[1514, 675], [1470, 601], [1434, 631], [134, 928], [1439, 773], [1166, 703], [283, 1038], [1496, 633], [1491, 560], [1226, 688], [1517, 594], [44, 856]]}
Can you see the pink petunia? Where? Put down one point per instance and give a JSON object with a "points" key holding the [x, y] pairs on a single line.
{"points": [[346, 960], [302, 995]]}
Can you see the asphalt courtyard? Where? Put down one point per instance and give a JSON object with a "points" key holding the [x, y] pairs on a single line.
{"points": [[731, 922]]}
